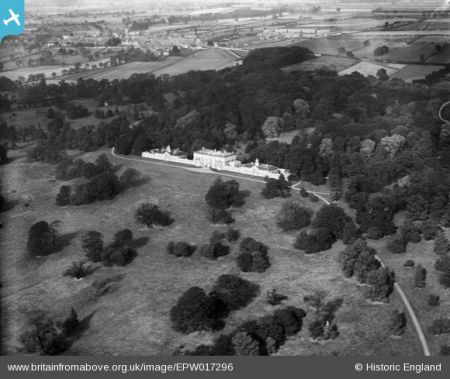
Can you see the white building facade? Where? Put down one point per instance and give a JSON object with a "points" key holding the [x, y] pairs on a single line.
{"points": [[217, 160]]}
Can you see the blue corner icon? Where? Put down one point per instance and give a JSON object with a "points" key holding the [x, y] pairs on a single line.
{"points": [[12, 17]]}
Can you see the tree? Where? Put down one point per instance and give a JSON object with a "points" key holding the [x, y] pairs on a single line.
{"points": [[123, 237], [272, 126], [41, 239], [71, 324], [276, 188], [397, 245], [92, 244], [433, 300], [382, 75], [382, 284], [293, 216], [221, 196], [148, 214], [441, 244], [245, 344], [420, 276], [233, 292], [63, 197], [332, 218], [194, 311], [214, 250], [129, 177], [397, 323], [3, 155], [253, 256], [439, 326], [180, 249]]}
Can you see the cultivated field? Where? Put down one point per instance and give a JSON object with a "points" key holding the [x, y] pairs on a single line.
{"points": [[130, 316]]}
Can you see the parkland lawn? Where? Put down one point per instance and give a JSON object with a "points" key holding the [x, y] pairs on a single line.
{"points": [[127, 308]]}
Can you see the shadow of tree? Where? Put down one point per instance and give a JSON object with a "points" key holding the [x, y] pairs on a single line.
{"points": [[139, 242], [63, 241]]}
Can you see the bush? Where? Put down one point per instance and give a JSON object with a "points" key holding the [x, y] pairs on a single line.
{"points": [[433, 300], [233, 291], [313, 198], [441, 244], [233, 234], [194, 311], [253, 256], [397, 245], [430, 229], [41, 239], [293, 216], [48, 337], [445, 350], [63, 197], [382, 284], [409, 263], [304, 193], [440, 326], [216, 237], [129, 177], [350, 233], [420, 276], [245, 344], [276, 188], [214, 251], [274, 298], [397, 323], [149, 214], [180, 249], [78, 270], [92, 244], [410, 232], [123, 238], [319, 240], [118, 256]]}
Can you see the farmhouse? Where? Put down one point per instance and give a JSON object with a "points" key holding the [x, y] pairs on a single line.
{"points": [[217, 160]]}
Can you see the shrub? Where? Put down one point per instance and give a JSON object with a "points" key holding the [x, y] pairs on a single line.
{"points": [[397, 245], [409, 263], [233, 291], [445, 350], [216, 237], [180, 249], [410, 232], [149, 214], [48, 337], [441, 244], [274, 298], [332, 218], [433, 300], [233, 234], [420, 276], [350, 233], [397, 323], [92, 243], [304, 193], [214, 251], [253, 256], [129, 177], [245, 344], [276, 188], [319, 240], [194, 311], [63, 196], [123, 237], [316, 329], [118, 255], [430, 229], [293, 216], [440, 326], [313, 198], [78, 270], [382, 284], [291, 318], [41, 239]]}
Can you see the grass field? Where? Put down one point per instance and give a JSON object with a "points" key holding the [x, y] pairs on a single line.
{"points": [[132, 317], [371, 68], [414, 72]]}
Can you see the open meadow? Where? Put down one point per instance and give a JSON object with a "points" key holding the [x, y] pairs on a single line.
{"points": [[127, 308]]}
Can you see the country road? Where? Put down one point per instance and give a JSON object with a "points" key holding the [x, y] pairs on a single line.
{"points": [[400, 291]]}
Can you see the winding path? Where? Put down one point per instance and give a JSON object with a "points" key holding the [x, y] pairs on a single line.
{"points": [[415, 320]]}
